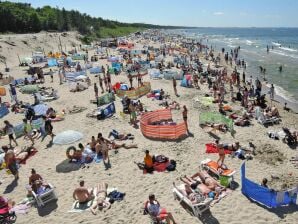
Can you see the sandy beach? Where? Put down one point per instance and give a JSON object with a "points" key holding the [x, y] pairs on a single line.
{"points": [[272, 157]]}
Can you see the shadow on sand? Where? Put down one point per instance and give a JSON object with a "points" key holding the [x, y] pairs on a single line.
{"points": [[47, 209], [67, 167]]}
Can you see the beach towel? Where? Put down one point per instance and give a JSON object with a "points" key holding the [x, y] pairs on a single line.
{"points": [[21, 209], [80, 207], [211, 148], [95, 70], [33, 152]]}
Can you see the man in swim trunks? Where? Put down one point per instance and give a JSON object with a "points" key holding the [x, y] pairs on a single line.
{"points": [[184, 115], [82, 194]]}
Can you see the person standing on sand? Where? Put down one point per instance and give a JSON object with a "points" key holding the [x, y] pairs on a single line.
{"points": [[95, 90], [184, 115], [13, 93], [100, 83], [130, 79], [175, 86], [272, 92]]}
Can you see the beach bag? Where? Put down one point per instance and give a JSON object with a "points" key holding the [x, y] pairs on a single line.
{"points": [[161, 159], [171, 166]]}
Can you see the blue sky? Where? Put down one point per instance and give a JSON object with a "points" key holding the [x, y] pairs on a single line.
{"points": [[210, 13]]}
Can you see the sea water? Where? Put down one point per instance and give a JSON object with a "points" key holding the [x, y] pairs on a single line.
{"points": [[283, 50]]}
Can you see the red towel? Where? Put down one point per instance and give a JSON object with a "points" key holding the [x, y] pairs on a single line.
{"points": [[160, 167], [211, 148], [31, 154]]}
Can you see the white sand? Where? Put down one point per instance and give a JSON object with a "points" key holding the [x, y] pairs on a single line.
{"points": [[124, 174]]}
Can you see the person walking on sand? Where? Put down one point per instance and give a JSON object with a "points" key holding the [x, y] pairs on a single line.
{"points": [[95, 90], [130, 79], [221, 153], [175, 86], [184, 115], [100, 83], [13, 93], [28, 130], [10, 132]]}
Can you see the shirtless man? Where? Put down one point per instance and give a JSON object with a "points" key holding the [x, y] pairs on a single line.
{"points": [[100, 193], [82, 194]]}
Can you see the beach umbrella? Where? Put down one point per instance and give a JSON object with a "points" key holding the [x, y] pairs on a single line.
{"points": [[67, 137], [29, 89], [40, 109]]}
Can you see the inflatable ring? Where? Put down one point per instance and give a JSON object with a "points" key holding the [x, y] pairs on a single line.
{"points": [[73, 153]]}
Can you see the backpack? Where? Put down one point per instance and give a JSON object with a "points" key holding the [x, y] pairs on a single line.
{"points": [[171, 166]]}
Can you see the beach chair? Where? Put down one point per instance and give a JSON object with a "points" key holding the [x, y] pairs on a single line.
{"points": [[46, 197], [196, 209], [225, 176], [264, 121]]}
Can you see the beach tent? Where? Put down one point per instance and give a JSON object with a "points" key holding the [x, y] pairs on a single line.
{"points": [[265, 196], [113, 59], [216, 118], [40, 109], [95, 70], [29, 89], [2, 91], [167, 131], [67, 137], [155, 74], [116, 65], [19, 129], [26, 60], [52, 62], [3, 110], [105, 99], [78, 56], [38, 56], [186, 81], [170, 73]]}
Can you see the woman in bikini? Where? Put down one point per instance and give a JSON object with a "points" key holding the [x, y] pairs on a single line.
{"points": [[184, 115], [100, 193]]}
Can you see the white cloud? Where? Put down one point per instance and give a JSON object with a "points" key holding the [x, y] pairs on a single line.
{"points": [[218, 13]]}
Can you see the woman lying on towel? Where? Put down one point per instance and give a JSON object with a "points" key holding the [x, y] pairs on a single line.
{"points": [[100, 202], [23, 154]]}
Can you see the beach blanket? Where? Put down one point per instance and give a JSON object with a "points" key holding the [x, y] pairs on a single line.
{"points": [[78, 56], [3, 110], [211, 148], [21, 209], [80, 207]]}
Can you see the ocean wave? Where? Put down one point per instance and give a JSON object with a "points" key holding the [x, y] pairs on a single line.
{"points": [[283, 93], [288, 49], [276, 44], [249, 42], [284, 54]]}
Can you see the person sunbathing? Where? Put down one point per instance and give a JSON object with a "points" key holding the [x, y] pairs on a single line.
{"points": [[232, 146], [22, 154], [82, 194], [120, 136], [100, 194], [188, 192], [51, 113]]}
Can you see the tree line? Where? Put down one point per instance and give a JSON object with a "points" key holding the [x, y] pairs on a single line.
{"points": [[23, 18]]}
